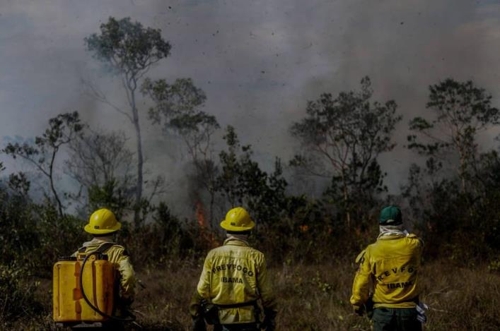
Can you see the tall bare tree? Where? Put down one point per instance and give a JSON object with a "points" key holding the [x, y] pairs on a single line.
{"points": [[130, 50]]}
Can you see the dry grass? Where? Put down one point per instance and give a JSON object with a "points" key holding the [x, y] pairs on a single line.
{"points": [[311, 298]]}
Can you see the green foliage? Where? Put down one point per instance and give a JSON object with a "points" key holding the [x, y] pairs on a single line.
{"points": [[494, 266], [58, 237], [176, 108], [176, 105], [128, 46], [242, 181], [163, 239], [347, 134], [461, 110], [109, 195], [102, 165], [321, 284], [463, 102], [174, 239], [487, 196], [17, 293], [448, 217], [19, 183], [454, 207], [308, 226], [459, 227], [302, 233], [17, 230], [35, 236], [62, 129]]}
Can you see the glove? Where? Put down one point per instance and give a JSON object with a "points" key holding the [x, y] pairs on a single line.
{"points": [[198, 324], [269, 323], [124, 308], [359, 310]]}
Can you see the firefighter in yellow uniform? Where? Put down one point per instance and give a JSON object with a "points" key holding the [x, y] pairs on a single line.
{"points": [[233, 280], [103, 226], [386, 283]]}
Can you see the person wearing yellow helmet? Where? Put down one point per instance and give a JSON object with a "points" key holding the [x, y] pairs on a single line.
{"points": [[386, 285], [233, 280], [102, 225]]}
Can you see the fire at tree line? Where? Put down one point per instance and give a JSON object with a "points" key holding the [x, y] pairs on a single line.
{"points": [[451, 193]]}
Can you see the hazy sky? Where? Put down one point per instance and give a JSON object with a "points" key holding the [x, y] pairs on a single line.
{"points": [[258, 61]]}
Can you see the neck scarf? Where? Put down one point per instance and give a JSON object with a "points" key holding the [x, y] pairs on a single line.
{"points": [[392, 230], [241, 237], [99, 240]]}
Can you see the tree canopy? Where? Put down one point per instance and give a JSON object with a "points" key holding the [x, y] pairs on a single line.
{"points": [[343, 137]]}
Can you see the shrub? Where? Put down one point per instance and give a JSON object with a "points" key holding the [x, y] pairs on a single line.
{"points": [[17, 291]]}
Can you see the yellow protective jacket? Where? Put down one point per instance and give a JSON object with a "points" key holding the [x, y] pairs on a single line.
{"points": [[389, 269], [122, 264], [232, 274]]}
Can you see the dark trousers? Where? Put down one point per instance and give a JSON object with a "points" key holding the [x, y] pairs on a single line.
{"points": [[395, 319], [236, 327]]}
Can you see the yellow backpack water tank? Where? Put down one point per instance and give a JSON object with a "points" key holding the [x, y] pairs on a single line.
{"points": [[98, 278]]}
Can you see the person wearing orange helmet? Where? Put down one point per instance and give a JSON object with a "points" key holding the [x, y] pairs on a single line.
{"points": [[102, 225], [233, 280]]}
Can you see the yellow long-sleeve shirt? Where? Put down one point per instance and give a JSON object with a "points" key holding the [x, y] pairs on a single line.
{"points": [[232, 274], [121, 262], [389, 269]]}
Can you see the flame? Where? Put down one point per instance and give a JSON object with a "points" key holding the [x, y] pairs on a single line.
{"points": [[304, 228], [200, 215], [207, 236]]}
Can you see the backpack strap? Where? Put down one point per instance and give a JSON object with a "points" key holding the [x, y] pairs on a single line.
{"points": [[101, 249], [104, 247]]}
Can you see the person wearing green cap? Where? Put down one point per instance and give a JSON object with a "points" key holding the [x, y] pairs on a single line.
{"points": [[386, 284], [233, 280]]}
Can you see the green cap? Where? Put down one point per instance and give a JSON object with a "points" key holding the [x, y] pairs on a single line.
{"points": [[390, 215]]}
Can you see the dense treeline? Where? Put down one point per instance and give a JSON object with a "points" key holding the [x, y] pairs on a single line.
{"points": [[450, 197]]}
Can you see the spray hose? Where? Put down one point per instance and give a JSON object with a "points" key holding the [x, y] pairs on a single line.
{"points": [[130, 318]]}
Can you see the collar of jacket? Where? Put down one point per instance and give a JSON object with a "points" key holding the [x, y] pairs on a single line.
{"points": [[391, 237], [98, 241], [235, 242]]}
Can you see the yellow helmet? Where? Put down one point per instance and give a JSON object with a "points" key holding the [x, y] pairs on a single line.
{"points": [[237, 220], [102, 221]]}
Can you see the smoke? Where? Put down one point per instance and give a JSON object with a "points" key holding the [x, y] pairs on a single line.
{"points": [[259, 62]]}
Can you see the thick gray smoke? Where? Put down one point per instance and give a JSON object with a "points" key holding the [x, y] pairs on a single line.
{"points": [[258, 61]]}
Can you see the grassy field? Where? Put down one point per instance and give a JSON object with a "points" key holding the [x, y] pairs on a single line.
{"points": [[311, 298]]}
